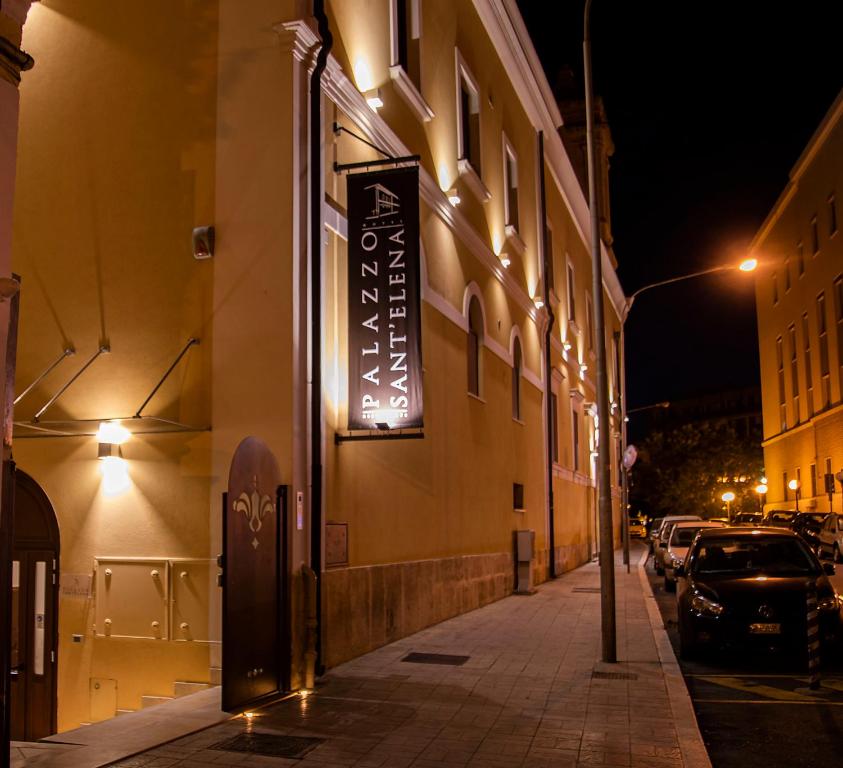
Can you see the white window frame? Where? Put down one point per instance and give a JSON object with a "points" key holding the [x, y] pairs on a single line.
{"points": [[571, 293], [466, 170], [509, 155], [404, 84]]}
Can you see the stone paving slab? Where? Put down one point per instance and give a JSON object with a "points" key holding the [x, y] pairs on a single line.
{"points": [[533, 692]]}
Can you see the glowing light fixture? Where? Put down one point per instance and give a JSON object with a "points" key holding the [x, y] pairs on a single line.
{"points": [[748, 265], [728, 497], [583, 369], [112, 433], [505, 260], [454, 197], [538, 301], [793, 485], [761, 488], [566, 345], [374, 98], [113, 467]]}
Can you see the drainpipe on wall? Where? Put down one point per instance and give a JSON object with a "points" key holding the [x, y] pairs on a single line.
{"points": [[316, 218], [548, 383]]}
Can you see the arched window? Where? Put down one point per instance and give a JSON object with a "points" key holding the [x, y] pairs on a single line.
{"points": [[516, 379], [475, 345]]}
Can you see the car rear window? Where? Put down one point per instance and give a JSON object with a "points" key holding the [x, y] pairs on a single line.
{"points": [[773, 556], [682, 537]]}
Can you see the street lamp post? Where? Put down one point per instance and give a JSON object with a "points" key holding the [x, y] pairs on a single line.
{"points": [[794, 486], [604, 498]]}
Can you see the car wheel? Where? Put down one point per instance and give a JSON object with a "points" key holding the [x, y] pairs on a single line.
{"points": [[669, 585]]}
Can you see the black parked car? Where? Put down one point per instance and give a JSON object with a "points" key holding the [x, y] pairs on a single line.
{"points": [[807, 525], [748, 587], [779, 518]]}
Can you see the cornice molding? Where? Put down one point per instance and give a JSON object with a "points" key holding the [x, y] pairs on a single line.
{"points": [[339, 88], [506, 30]]}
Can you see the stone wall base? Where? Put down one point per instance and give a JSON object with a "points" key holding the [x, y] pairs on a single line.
{"points": [[367, 607]]}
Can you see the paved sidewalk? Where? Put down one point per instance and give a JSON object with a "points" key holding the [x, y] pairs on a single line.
{"points": [[532, 692]]}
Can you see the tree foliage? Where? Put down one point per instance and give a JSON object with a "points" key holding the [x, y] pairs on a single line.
{"points": [[681, 471]]}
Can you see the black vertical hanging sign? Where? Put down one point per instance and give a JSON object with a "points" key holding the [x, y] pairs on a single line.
{"points": [[384, 302]]}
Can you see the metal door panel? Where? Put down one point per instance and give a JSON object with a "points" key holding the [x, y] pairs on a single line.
{"points": [[254, 608]]}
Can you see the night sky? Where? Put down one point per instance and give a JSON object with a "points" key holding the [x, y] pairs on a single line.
{"points": [[710, 105]]}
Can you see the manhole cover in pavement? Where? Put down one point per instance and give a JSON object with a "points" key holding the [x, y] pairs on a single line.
{"points": [[614, 675], [586, 589], [435, 658], [269, 744]]}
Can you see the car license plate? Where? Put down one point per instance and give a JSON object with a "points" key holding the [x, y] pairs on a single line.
{"points": [[765, 629]]}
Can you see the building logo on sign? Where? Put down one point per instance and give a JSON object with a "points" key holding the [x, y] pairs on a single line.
{"points": [[385, 387]]}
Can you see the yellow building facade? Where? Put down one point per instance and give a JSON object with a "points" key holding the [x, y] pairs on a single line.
{"points": [[139, 127], [799, 299]]}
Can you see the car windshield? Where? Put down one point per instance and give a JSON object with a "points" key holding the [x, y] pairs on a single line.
{"points": [[773, 556], [682, 537]]}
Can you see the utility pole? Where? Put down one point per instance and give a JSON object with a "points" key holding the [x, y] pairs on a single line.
{"points": [[604, 497]]}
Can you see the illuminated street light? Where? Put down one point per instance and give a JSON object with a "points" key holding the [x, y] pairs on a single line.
{"points": [[748, 265], [728, 497], [761, 490]]}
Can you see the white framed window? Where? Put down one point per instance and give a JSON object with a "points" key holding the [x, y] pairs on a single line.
{"points": [[780, 372], [468, 129], [517, 371], [589, 323], [838, 315], [576, 437], [510, 183], [474, 354], [405, 18], [550, 267], [572, 293], [806, 360], [794, 371], [822, 335]]}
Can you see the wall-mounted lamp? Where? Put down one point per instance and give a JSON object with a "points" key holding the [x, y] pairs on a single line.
{"points": [[566, 345], [538, 301], [505, 260], [454, 196], [374, 98], [583, 369], [115, 472]]}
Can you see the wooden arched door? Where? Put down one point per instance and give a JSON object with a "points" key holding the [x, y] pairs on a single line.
{"points": [[34, 641]]}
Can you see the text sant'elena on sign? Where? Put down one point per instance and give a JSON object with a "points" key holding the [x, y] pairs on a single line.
{"points": [[384, 311]]}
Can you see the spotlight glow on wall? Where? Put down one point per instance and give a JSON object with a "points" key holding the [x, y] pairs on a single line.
{"points": [[113, 467]]}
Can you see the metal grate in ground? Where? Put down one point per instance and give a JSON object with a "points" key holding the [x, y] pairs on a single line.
{"points": [[593, 590], [613, 675], [435, 658], [269, 744]]}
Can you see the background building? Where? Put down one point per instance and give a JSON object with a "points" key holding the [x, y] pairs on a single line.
{"points": [[799, 297], [141, 124]]}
